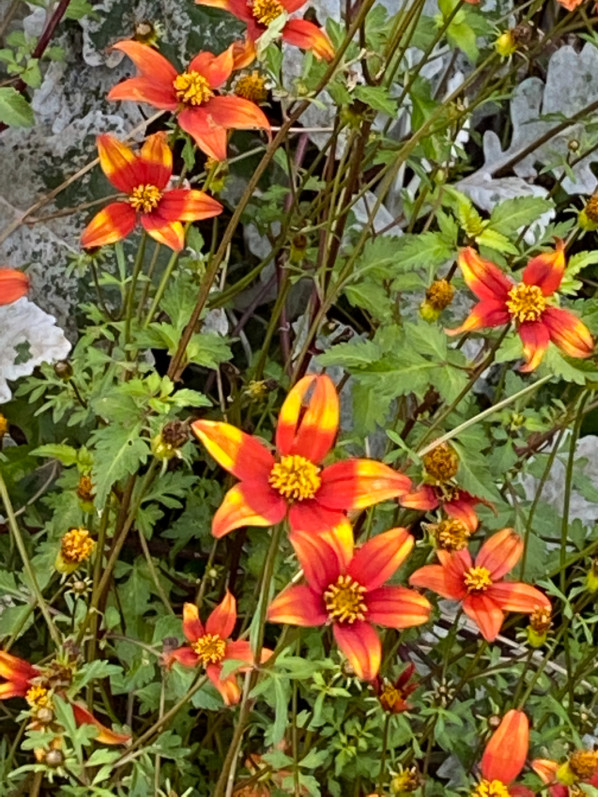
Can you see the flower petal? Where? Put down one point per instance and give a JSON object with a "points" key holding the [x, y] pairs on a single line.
{"points": [[241, 651], [169, 233], [397, 607], [15, 669], [111, 224], [244, 53], [185, 656], [192, 625], [424, 498], [505, 753], [119, 163], [462, 508], [210, 138], [308, 427], [535, 338], [308, 36], [312, 516], [514, 596], [10, 689], [483, 277], [361, 645], [485, 613], [144, 89], [215, 68], [156, 161], [228, 687], [546, 270], [106, 736], [487, 313], [148, 61], [545, 769], [318, 559], [222, 620], [298, 605], [248, 503], [359, 483], [239, 8], [236, 113], [182, 204], [434, 577], [340, 537], [377, 560], [568, 332], [239, 453], [500, 553], [13, 285]]}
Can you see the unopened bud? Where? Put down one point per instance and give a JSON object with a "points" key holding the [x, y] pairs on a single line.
{"points": [[592, 577], [54, 758], [588, 217], [63, 370]]}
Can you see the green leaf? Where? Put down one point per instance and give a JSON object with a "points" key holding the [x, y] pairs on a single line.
{"points": [[353, 354], [15, 111], [510, 216], [60, 451], [496, 241], [119, 452], [377, 97]]}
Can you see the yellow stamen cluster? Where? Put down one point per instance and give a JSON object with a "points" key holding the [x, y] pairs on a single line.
{"points": [[540, 620], [295, 477], [583, 763], [145, 198], [252, 86], [442, 463], [38, 697], [85, 491], [390, 696], [490, 788], [405, 781], [591, 209], [344, 600], [266, 11], [192, 88], [440, 294], [3, 425], [451, 534], [526, 302], [210, 648], [76, 546], [477, 579]]}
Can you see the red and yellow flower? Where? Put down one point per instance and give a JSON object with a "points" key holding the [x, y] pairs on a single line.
{"points": [[504, 758], [565, 779], [527, 304], [203, 113], [13, 285], [210, 647], [22, 679], [144, 179], [259, 14], [347, 590], [479, 585], [393, 694], [292, 481]]}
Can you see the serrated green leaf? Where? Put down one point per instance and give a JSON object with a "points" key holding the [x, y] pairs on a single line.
{"points": [[15, 111]]}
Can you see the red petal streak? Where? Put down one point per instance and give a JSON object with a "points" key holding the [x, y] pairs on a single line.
{"points": [[309, 427], [192, 625], [518, 597], [361, 645], [312, 516], [535, 338], [13, 285], [10, 689], [228, 687], [144, 89], [119, 163], [169, 233], [308, 36], [215, 68], [181, 204], [359, 483], [156, 160], [484, 314], [298, 605], [210, 138], [546, 270], [148, 61], [112, 224], [376, 561], [249, 503], [16, 670], [568, 332], [483, 277], [222, 620], [236, 113], [545, 769], [485, 613], [106, 736], [424, 498], [237, 452], [318, 559], [505, 753], [500, 553], [341, 539], [397, 607]]}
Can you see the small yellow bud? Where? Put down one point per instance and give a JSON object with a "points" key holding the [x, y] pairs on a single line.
{"points": [[168, 443], [506, 44], [298, 248], [592, 577], [588, 217]]}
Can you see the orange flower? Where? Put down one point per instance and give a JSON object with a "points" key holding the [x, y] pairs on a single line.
{"points": [[259, 14], [570, 5], [202, 113], [24, 680], [144, 178], [504, 758], [457, 503], [293, 481], [211, 646], [526, 304], [345, 588], [13, 285], [580, 767], [480, 586]]}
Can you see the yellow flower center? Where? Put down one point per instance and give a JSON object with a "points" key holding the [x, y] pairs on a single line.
{"points": [[192, 88], [210, 648], [526, 302], [76, 546], [3, 425], [583, 763], [266, 11], [477, 579], [145, 198], [295, 477], [490, 788], [390, 696], [344, 600], [451, 535], [252, 87], [406, 781], [38, 697], [442, 463], [440, 294], [591, 209], [540, 620]]}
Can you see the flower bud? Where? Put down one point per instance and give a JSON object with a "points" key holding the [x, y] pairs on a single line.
{"points": [[539, 626], [63, 370], [405, 782], [76, 547], [438, 296], [592, 577], [54, 758], [3, 425], [168, 443], [147, 32], [506, 44], [298, 248], [588, 217]]}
